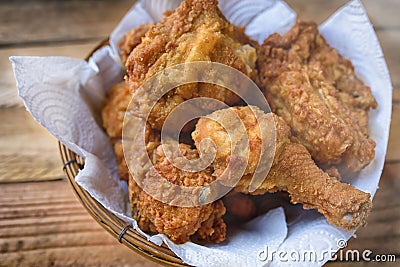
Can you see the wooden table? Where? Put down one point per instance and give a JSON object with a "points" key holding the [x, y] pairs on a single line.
{"points": [[41, 221]]}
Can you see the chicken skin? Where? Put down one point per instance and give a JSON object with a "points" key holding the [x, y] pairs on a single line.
{"points": [[315, 90], [195, 31], [292, 169], [178, 223]]}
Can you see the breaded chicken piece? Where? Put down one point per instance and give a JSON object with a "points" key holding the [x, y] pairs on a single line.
{"points": [[113, 116], [308, 102], [206, 127], [119, 96], [178, 223], [132, 39], [113, 112], [195, 31], [315, 90], [292, 170], [240, 206]]}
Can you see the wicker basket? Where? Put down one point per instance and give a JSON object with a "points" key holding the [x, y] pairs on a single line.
{"points": [[114, 225]]}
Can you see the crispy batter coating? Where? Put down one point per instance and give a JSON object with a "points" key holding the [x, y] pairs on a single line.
{"points": [[113, 116], [208, 128], [179, 223], [195, 31], [114, 110], [315, 90], [132, 39], [119, 96], [294, 171]]}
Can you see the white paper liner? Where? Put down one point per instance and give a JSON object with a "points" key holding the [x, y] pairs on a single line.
{"points": [[65, 95]]}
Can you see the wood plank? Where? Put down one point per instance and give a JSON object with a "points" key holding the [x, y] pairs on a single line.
{"points": [[20, 158], [383, 13], [41, 238], [61, 21], [389, 40], [311, 9], [306, 10], [8, 91], [389, 37], [30, 237], [115, 255], [393, 152], [35, 22], [382, 234], [36, 230]]}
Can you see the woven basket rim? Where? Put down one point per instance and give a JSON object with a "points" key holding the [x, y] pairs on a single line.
{"points": [[110, 222]]}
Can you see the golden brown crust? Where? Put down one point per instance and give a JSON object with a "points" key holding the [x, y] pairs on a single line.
{"points": [[316, 91], [308, 83], [195, 31], [114, 110], [294, 171], [206, 127], [179, 223], [132, 39]]}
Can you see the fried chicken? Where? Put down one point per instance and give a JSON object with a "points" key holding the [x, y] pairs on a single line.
{"points": [[292, 170], [306, 82], [240, 206], [195, 31], [113, 115], [178, 223], [132, 39], [114, 110], [315, 90]]}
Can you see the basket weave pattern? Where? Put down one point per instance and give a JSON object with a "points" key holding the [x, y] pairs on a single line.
{"points": [[114, 225]]}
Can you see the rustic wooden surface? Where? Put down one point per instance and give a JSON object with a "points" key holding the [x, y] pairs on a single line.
{"points": [[42, 223]]}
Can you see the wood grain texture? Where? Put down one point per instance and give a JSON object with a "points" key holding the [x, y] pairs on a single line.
{"points": [[25, 23], [49, 227], [382, 13], [27, 151], [72, 28], [390, 40], [43, 224], [51, 28], [393, 152]]}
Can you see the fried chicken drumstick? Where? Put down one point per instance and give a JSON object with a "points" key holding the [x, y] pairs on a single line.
{"points": [[315, 90], [292, 170]]}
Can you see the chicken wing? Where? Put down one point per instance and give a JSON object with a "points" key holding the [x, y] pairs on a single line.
{"points": [[292, 170]]}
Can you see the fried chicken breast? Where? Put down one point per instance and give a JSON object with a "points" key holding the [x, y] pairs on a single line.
{"points": [[195, 31], [315, 90], [132, 39]]}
